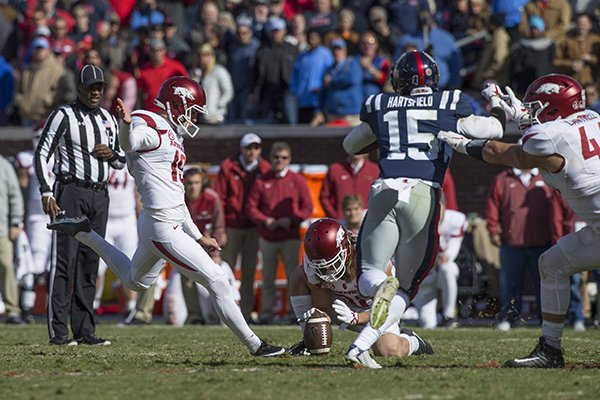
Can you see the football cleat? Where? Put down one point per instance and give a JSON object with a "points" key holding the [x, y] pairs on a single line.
{"points": [[267, 350], [360, 358], [424, 346], [70, 226], [381, 302], [299, 350], [63, 341], [92, 340], [543, 356]]}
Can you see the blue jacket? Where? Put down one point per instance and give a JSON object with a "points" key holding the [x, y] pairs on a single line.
{"points": [[343, 96], [445, 52], [7, 83], [511, 9], [241, 63], [307, 76]]}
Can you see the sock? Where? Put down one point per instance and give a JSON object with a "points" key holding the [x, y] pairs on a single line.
{"points": [[230, 313], [367, 337], [449, 289], [552, 332], [413, 343], [301, 304], [117, 261]]}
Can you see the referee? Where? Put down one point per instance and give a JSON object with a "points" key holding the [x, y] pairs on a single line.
{"points": [[84, 137]]}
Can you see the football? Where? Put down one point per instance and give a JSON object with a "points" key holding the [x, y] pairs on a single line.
{"points": [[318, 334]]}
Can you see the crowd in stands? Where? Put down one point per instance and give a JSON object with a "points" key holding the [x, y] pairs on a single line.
{"points": [[284, 61]]}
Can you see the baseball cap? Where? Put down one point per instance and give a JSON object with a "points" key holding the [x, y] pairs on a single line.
{"points": [[90, 74], [338, 43], [40, 42], [535, 21], [376, 13], [250, 138], [276, 24]]}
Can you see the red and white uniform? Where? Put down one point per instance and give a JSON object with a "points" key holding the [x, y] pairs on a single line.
{"points": [[40, 238]]}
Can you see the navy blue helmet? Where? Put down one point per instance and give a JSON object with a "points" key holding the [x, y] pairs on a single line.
{"points": [[414, 69]]}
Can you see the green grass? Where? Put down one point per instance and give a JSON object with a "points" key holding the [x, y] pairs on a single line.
{"points": [[161, 362]]}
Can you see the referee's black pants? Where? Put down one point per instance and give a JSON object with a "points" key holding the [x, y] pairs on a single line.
{"points": [[72, 282]]}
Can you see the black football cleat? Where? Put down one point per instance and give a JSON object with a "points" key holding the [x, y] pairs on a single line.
{"points": [[543, 356], [424, 346], [63, 341], [70, 226], [92, 340], [299, 350], [267, 350]]}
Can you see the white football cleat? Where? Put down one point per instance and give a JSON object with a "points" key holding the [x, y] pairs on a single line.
{"points": [[360, 358], [381, 302]]}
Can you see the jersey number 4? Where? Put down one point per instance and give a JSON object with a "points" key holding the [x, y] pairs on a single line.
{"points": [[177, 167], [409, 141], [586, 151]]}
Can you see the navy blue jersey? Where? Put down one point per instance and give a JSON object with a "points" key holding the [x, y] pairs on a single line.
{"points": [[406, 128]]}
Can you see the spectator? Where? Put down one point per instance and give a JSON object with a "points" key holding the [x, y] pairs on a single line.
{"points": [[592, 97], [441, 45], [146, 14], [531, 57], [37, 91], [236, 177], [455, 18], [272, 77], [216, 82], [51, 11], [342, 84], [7, 83], [97, 10], [278, 202], [577, 55], [353, 175], [298, 35], [493, 61], [307, 76], [175, 44], [375, 67], [324, 19], [345, 31], [60, 40], [406, 14], [512, 11], [556, 15], [83, 29], [387, 35], [114, 45], [68, 91], [291, 8], [155, 72], [206, 211], [360, 10], [11, 218], [353, 210], [518, 219], [241, 57]]}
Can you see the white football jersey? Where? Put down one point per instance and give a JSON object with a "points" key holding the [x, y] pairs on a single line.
{"points": [[25, 160], [121, 191], [158, 171], [577, 139], [451, 231], [347, 291]]}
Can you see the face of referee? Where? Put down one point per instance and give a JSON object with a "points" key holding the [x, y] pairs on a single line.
{"points": [[90, 95]]}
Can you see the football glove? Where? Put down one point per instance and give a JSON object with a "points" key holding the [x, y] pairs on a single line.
{"points": [[306, 316], [344, 313], [514, 109], [457, 141], [493, 94]]}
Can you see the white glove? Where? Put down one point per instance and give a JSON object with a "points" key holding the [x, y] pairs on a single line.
{"points": [[493, 94], [514, 109], [344, 313], [305, 317], [457, 141]]}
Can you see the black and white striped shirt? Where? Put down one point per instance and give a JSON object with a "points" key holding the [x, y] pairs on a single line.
{"points": [[74, 130]]}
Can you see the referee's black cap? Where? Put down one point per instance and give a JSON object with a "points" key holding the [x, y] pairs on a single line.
{"points": [[90, 74]]}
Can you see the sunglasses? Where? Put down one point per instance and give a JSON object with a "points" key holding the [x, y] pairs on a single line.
{"points": [[280, 157]]}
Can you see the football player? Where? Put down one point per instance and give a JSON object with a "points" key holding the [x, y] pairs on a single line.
{"points": [[403, 214], [327, 280], [562, 140], [156, 158]]}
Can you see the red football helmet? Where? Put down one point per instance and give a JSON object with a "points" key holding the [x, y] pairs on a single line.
{"points": [[553, 96], [328, 248], [183, 99]]}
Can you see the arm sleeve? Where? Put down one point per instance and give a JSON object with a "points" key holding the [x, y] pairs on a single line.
{"points": [[359, 137], [139, 137], [190, 227], [53, 130], [477, 127], [537, 142]]}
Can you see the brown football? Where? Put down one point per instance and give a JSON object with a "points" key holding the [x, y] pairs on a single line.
{"points": [[318, 335]]}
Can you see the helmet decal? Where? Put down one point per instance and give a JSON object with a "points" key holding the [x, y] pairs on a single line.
{"points": [[185, 93], [548, 88]]}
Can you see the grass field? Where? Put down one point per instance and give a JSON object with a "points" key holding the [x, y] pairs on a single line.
{"points": [[161, 362]]}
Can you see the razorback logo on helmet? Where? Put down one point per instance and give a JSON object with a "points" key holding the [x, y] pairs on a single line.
{"points": [[339, 236], [183, 92], [548, 88]]}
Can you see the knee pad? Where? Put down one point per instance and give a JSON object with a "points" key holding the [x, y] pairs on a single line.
{"points": [[553, 263]]}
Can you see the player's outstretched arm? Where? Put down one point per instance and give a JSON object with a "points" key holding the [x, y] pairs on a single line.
{"points": [[360, 140], [492, 127]]}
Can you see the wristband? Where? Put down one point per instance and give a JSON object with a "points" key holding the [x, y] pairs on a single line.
{"points": [[475, 148]]}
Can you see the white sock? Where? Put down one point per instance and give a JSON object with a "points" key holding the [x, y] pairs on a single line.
{"points": [[449, 289], [553, 332], [367, 337], [301, 304], [413, 343], [230, 313], [117, 261]]}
